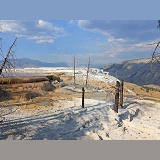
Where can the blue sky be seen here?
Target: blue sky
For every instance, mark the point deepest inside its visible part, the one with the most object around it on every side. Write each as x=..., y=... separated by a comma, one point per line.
x=103, y=41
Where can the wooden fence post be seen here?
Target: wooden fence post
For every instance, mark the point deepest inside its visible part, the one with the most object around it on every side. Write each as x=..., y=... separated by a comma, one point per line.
x=117, y=97
x=74, y=74
x=121, y=92
x=87, y=72
x=83, y=97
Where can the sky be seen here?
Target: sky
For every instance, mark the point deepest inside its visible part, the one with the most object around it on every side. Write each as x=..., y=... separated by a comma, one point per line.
x=104, y=41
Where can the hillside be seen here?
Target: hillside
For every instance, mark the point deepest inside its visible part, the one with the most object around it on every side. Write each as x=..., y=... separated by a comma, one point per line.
x=138, y=71
x=26, y=62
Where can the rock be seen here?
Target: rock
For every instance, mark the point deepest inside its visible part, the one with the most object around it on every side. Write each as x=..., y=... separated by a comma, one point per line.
x=62, y=84
x=53, y=78
x=46, y=86
x=55, y=82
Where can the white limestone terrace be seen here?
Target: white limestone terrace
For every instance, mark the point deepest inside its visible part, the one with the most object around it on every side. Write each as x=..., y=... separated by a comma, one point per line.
x=94, y=74
x=138, y=120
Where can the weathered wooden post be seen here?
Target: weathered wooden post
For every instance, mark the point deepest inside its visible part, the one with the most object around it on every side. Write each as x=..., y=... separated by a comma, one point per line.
x=74, y=71
x=83, y=97
x=87, y=72
x=117, y=97
x=121, y=92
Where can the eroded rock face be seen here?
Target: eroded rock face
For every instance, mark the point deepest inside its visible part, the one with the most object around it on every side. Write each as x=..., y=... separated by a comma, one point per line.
x=138, y=71
x=53, y=78
x=19, y=90
x=47, y=86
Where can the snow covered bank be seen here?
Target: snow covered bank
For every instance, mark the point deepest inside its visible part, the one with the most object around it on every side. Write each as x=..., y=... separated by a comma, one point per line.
x=97, y=121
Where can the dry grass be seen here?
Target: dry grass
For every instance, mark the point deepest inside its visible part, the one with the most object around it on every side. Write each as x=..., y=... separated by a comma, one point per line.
x=101, y=85
x=152, y=87
x=152, y=99
x=18, y=80
x=25, y=88
x=141, y=91
x=36, y=96
x=22, y=91
x=59, y=74
x=45, y=85
x=66, y=78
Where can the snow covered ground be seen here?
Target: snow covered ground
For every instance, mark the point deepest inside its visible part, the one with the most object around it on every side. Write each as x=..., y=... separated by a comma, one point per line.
x=97, y=121
x=137, y=120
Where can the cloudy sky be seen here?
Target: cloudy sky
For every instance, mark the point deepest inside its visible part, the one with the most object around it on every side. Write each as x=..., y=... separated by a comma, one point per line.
x=104, y=42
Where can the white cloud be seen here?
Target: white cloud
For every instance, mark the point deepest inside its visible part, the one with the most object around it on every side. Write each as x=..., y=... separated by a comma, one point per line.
x=148, y=44
x=43, y=24
x=40, y=31
x=137, y=49
x=139, y=45
x=49, y=26
x=72, y=21
x=83, y=23
x=131, y=29
x=123, y=34
x=112, y=40
x=92, y=27
x=11, y=26
x=42, y=39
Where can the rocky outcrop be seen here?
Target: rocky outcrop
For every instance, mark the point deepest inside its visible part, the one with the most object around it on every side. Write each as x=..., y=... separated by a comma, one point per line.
x=138, y=71
x=24, y=88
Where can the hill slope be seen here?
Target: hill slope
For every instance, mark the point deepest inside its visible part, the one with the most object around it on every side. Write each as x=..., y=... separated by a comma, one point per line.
x=138, y=71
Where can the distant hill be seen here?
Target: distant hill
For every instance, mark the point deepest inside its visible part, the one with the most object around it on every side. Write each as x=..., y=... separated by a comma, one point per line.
x=137, y=71
x=26, y=62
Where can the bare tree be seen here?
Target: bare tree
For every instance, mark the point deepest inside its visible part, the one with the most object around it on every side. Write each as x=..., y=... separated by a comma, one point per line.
x=158, y=24
x=8, y=62
x=155, y=59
